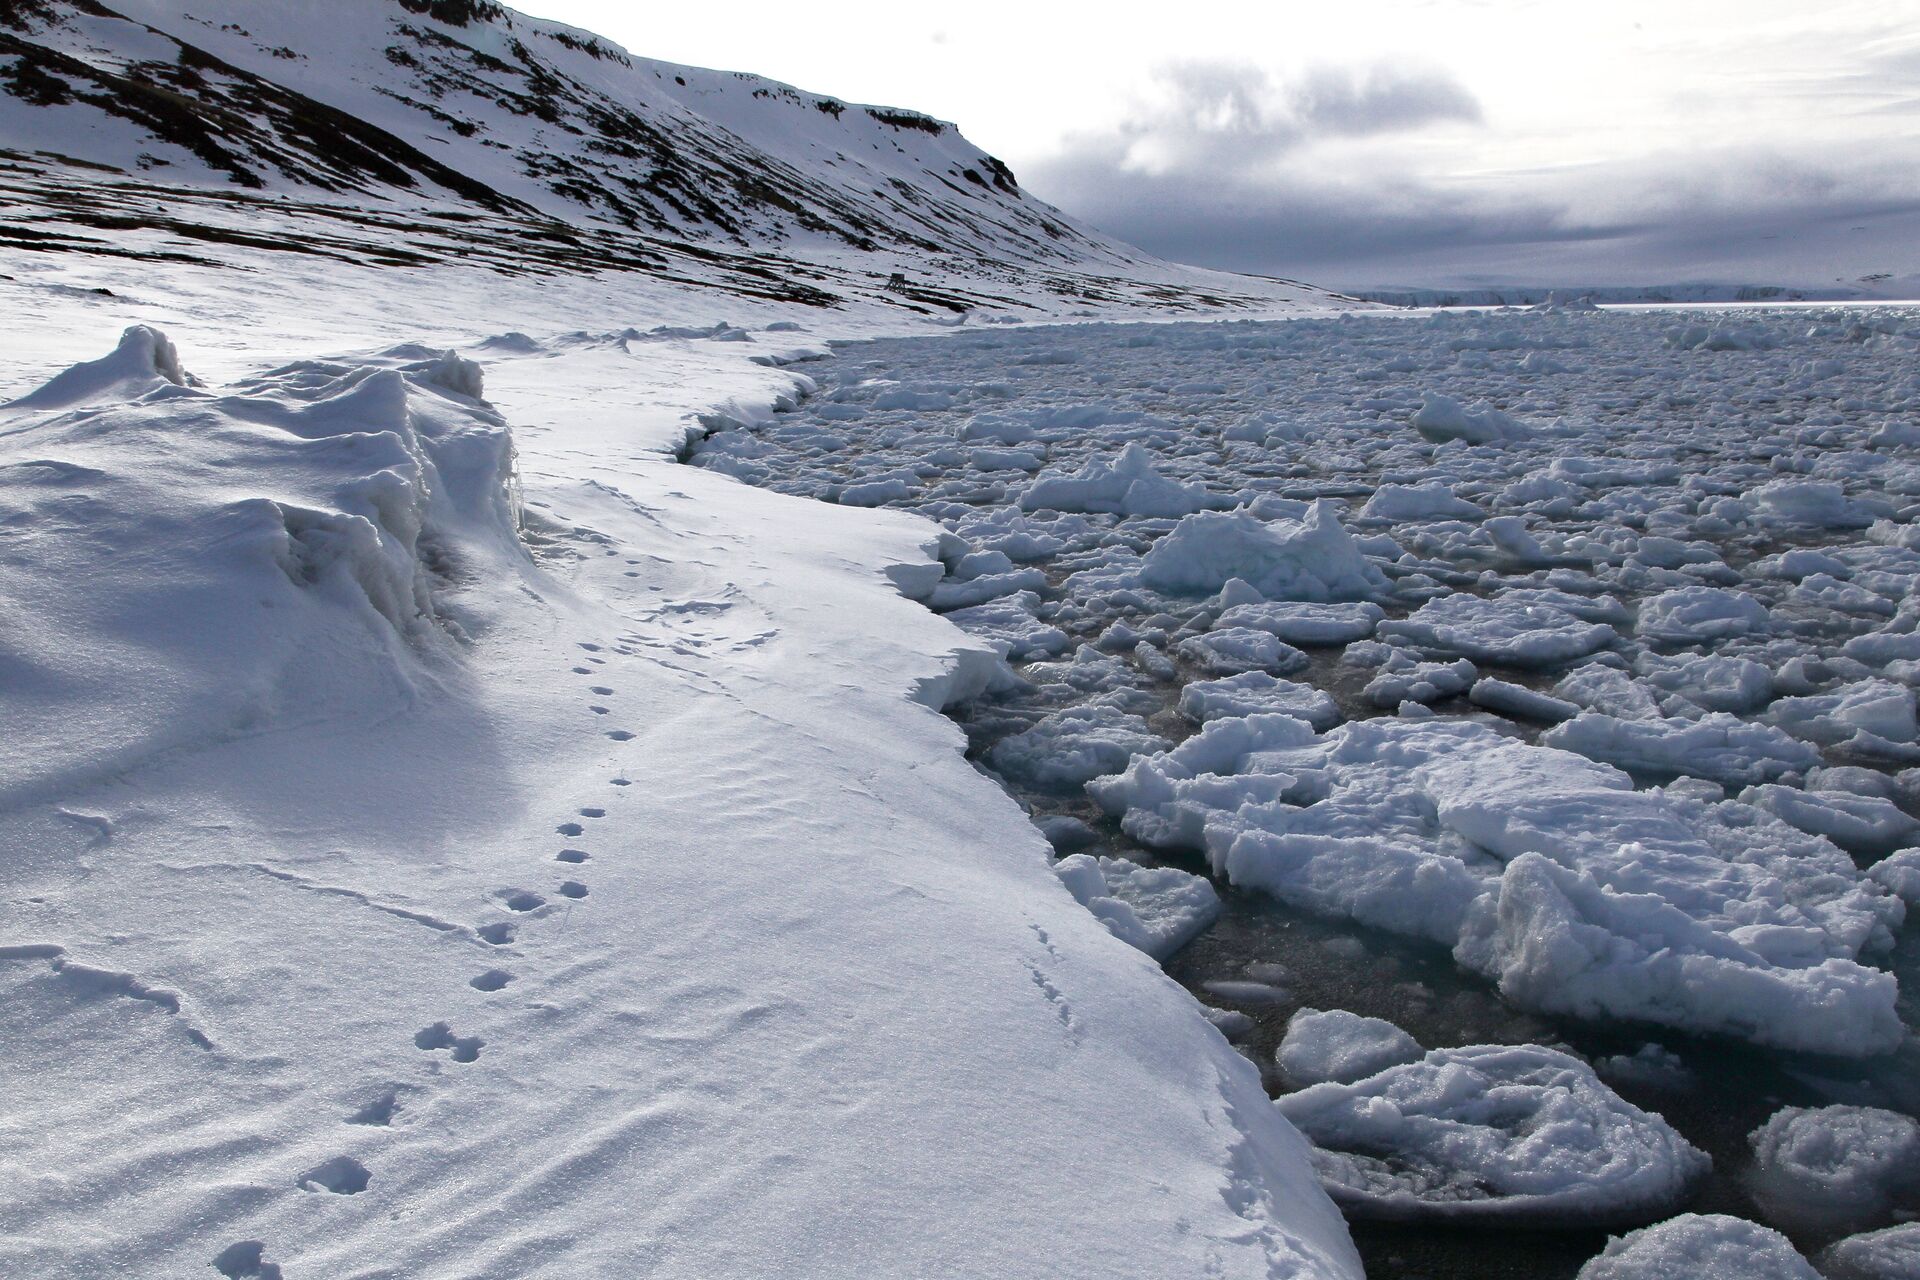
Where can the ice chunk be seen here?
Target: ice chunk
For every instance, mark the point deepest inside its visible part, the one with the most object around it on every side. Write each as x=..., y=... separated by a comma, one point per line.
x=1695, y=615
x=1157, y=909
x=1836, y=1167
x=1514, y=700
x=1073, y=745
x=1717, y=746
x=1402, y=503
x=1254, y=692
x=1900, y=873
x=1543, y=870
x=1809, y=504
x=1862, y=824
x=1712, y=681
x=1312, y=559
x=1877, y=707
x=1010, y=625
x=1339, y=1047
x=1443, y=418
x=1699, y=1246
x=1506, y=632
x=1229, y=650
x=1559, y=941
x=1402, y=680
x=1128, y=485
x=1651, y=1066
x=1492, y=1133
x=1892, y=1253
x=1311, y=625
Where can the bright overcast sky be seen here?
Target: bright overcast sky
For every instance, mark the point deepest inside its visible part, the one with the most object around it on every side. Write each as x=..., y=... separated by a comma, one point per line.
x=1397, y=141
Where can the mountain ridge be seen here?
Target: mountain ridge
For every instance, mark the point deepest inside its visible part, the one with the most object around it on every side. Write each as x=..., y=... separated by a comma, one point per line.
x=464, y=107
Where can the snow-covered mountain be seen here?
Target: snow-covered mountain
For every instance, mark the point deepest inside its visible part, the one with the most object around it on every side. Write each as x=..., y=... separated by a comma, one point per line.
x=533, y=139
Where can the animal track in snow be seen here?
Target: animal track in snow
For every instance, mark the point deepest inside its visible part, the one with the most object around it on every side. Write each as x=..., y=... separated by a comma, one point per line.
x=602, y=690
x=491, y=980
x=599, y=710
x=342, y=1175
x=593, y=813
x=1054, y=995
x=246, y=1260
x=621, y=782
x=378, y=1112
x=571, y=855
x=582, y=671
x=440, y=1036
x=520, y=899
x=498, y=934
x=620, y=735
x=573, y=889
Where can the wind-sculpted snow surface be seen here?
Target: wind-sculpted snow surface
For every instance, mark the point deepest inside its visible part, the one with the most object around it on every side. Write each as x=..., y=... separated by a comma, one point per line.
x=442, y=847
x=316, y=518
x=1621, y=565
x=1492, y=1133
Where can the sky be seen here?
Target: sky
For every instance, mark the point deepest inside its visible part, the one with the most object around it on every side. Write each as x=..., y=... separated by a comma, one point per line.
x=1396, y=142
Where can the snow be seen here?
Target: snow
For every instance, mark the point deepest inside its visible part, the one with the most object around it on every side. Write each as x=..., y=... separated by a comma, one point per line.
x=1544, y=871
x=1340, y=1047
x=1074, y=746
x=1513, y=634
x=1444, y=418
x=1313, y=558
x=1891, y=1253
x=1255, y=693
x=1299, y=623
x=1837, y=1166
x=1128, y=485
x=410, y=706
x=1692, y=615
x=437, y=805
x=1700, y=1244
x=1492, y=1133
x=1157, y=909
x=1718, y=747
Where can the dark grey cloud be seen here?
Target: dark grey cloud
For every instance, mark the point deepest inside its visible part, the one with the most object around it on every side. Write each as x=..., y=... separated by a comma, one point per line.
x=1197, y=116
x=1315, y=178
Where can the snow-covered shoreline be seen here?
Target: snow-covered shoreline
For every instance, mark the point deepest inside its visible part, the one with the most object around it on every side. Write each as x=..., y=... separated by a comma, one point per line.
x=809, y=1002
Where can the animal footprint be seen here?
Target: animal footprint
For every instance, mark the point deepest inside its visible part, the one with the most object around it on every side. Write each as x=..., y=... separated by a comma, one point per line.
x=520, y=900
x=573, y=889
x=491, y=980
x=342, y=1175
x=440, y=1036
x=570, y=855
x=621, y=782
x=569, y=828
x=498, y=934
x=379, y=1112
x=620, y=735
x=246, y=1260
x=593, y=813
x=601, y=689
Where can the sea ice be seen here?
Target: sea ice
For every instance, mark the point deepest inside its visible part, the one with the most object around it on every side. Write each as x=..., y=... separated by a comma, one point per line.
x=1695, y=1246
x=1492, y=1133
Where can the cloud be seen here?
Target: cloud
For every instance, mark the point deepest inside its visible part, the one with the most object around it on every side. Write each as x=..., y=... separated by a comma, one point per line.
x=1201, y=117
x=1339, y=175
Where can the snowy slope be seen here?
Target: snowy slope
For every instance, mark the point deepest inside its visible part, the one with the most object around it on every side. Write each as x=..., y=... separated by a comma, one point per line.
x=415, y=887
x=523, y=130
x=441, y=834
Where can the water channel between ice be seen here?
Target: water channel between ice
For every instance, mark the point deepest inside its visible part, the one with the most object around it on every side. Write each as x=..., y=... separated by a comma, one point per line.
x=1564, y=469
